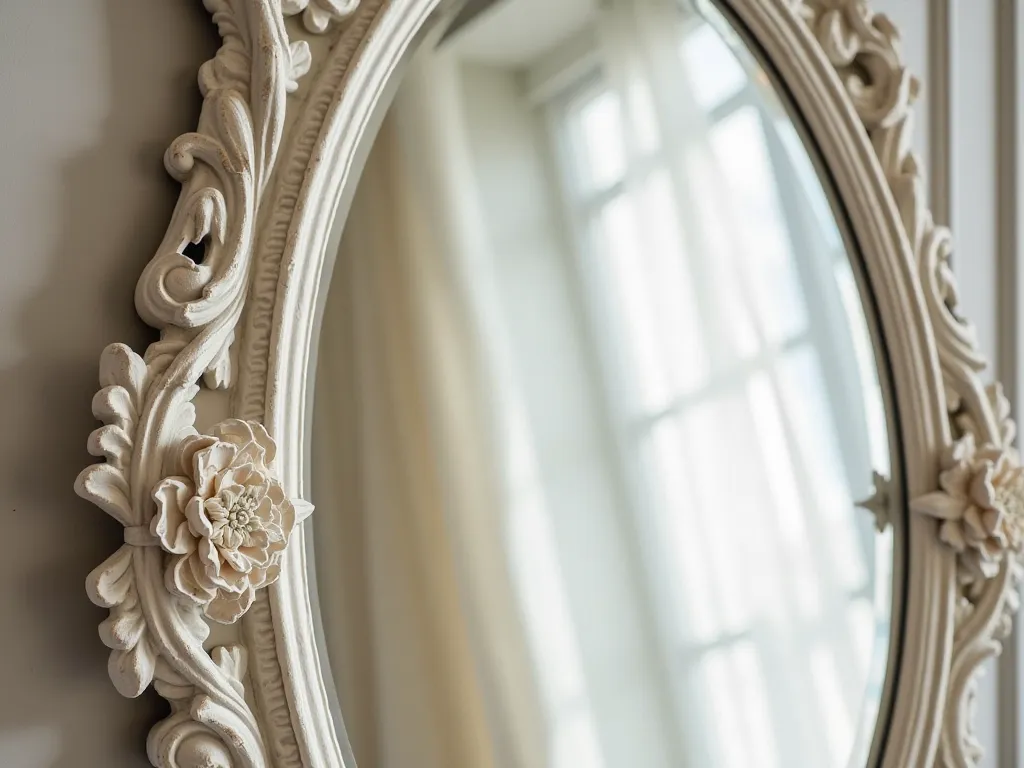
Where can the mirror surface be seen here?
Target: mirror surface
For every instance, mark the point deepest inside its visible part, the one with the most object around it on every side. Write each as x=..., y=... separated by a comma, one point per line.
x=595, y=397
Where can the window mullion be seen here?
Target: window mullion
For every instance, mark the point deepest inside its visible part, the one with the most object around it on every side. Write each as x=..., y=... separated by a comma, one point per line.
x=728, y=379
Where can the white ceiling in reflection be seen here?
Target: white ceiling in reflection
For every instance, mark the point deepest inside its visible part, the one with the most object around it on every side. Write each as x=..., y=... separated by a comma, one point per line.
x=514, y=34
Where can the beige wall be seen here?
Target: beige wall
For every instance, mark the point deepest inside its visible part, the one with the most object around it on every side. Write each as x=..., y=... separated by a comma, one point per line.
x=92, y=91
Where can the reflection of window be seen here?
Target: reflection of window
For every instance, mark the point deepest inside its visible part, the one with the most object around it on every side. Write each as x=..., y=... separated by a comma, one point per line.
x=711, y=265
x=535, y=562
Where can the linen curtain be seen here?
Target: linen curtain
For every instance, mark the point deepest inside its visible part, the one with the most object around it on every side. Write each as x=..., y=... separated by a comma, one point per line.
x=424, y=638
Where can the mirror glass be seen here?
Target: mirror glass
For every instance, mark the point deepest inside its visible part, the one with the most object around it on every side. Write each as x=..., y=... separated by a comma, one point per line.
x=595, y=401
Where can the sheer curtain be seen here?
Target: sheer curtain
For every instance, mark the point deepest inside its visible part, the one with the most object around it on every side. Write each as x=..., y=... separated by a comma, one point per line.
x=482, y=608
x=748, y=412
x=423, y=629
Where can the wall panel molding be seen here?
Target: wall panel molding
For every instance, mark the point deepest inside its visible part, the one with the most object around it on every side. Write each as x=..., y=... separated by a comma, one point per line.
x=940, y=108
x=1009, y=294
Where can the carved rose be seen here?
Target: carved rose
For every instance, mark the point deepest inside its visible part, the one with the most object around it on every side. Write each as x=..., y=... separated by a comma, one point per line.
x=224, y=518
x=981, y=506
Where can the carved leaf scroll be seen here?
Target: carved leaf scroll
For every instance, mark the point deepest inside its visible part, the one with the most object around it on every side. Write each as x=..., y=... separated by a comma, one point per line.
x=193, y=291
x=982, y=524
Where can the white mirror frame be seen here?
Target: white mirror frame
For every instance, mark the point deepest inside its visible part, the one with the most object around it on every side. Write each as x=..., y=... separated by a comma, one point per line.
x=291, y=102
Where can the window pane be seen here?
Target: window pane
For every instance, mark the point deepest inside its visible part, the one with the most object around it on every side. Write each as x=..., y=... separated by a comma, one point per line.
x=713, y=72
x=682, y=334
x=680, y=528
x=601, y=149
x=803, y=167
x=626, y=277
x=815, y=434
x=735, y=331
x=785, y=497
x=767, y=262
x=733, y=678
x=865, y=353
x=833, y=707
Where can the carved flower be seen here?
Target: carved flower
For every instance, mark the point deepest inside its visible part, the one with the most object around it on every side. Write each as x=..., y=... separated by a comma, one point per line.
x=225, y=519
x=981, y=506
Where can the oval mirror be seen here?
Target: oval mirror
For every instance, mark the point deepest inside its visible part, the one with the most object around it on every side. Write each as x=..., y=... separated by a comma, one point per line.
x=595, y=401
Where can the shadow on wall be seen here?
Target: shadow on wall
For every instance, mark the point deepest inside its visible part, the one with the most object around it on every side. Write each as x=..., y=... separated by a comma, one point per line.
x=76, y=228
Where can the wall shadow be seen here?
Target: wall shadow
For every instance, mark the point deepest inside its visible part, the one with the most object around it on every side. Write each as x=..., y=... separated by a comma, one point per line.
x=114, y=203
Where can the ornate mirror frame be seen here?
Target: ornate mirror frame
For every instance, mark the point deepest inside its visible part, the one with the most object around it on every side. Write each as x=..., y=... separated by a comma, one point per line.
x=291, y=101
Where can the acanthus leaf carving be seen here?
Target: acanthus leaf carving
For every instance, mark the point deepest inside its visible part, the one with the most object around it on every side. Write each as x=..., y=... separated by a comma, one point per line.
x=223, y=167
x=193, y=291
x=226, y=505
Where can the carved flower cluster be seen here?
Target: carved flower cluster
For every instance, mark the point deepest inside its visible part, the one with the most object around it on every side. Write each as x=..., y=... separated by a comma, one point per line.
x=980, y=504
x=224, y=518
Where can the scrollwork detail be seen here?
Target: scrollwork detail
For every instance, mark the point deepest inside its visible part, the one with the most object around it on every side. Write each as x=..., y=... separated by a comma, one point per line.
x=223, y=166
x=197, y=734
x=979, y=504
x=212, y=531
